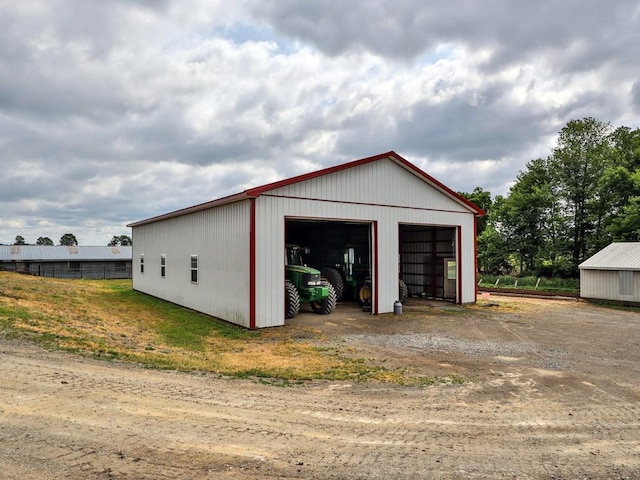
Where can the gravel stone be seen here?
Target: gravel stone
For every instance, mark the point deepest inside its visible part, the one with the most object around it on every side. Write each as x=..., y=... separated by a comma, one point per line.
x=443, y=343
x=451, y=344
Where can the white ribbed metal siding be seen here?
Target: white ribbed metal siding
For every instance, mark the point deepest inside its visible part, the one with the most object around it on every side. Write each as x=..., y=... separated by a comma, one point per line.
x=382, y=192
x=269, y=280
x=270, y=228
x=605, y=285
x=380, y=183
x=220, y=238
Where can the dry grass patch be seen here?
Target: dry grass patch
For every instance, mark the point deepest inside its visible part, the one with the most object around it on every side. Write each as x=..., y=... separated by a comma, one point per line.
x=107, y=319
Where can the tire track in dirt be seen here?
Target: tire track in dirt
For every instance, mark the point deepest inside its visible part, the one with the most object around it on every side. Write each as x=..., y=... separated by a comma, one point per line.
x=63, y=416
x=398, y=442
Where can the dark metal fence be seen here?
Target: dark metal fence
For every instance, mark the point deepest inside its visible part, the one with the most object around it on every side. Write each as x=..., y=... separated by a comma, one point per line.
x=91, y=270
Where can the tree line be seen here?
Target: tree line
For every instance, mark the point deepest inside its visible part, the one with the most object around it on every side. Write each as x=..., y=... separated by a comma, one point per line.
x=560, y=210
x=70, y=239
x=564, y=208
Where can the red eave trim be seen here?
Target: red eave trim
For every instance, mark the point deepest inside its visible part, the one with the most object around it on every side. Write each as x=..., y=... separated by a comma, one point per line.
x=459, y=264
x=257, y=191
x=196, y=208
x=252, y=266
x=391, y=155
x=439, y=185
x=318, y=173
x=475, y=256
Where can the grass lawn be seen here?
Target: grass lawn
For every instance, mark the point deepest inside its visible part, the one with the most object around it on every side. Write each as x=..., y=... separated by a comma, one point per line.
x=552, y=285
x=107, y=319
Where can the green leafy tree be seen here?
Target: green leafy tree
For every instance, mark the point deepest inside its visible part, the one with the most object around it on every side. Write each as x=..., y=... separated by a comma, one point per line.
x=44, y=241
x=626, y=225
x=19, y=240
x=577, y=164
x=526, y=216
x=617, y=187
x=626, y=148
x=68, y=239
x=482, y=199
x=122, y=241
x=492, y=252
x=566, y=207
x=621, y=182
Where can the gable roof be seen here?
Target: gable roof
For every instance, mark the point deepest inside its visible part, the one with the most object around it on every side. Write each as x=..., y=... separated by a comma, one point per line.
x=616, y=256
x=257, y=191
x=50, y=253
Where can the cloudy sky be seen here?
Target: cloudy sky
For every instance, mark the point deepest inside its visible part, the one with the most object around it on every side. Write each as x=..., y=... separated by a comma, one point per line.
x=115, y=111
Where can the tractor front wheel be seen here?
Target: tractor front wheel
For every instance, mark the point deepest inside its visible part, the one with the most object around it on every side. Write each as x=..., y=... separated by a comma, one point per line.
x=332, y=275
x=326, y=305
x=291, y=300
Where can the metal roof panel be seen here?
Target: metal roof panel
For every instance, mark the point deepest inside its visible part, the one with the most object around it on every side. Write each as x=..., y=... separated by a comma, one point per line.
x=50, y=253
x=616, y=256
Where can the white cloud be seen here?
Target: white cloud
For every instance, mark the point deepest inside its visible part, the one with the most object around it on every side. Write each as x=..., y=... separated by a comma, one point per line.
x=116, y=111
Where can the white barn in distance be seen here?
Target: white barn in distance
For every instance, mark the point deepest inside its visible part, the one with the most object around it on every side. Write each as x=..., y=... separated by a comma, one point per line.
x=612, y=274
x=226, y=258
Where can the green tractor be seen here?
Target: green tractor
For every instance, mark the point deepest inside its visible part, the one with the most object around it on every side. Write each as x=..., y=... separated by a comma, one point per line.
x=352, y=277
x=304, y=285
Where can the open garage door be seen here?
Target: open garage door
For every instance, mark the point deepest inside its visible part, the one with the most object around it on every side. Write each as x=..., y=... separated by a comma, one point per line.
x=338, y=248
x=428, y=261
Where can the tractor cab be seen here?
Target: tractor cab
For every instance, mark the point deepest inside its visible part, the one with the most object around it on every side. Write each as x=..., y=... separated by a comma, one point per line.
x=293, y=255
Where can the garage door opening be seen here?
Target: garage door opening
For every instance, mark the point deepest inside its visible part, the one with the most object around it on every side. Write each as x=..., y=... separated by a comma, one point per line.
x=428, y=261
x=342, y=251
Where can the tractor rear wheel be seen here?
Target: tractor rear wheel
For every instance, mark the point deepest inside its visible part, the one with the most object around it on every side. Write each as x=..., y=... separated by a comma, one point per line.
x=332, y=275
x=291, y=300
x=326, y=305
x=403, y=292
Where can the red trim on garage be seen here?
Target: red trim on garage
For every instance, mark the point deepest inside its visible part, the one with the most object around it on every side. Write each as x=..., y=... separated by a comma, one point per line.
x=254, y=192
x=196, y=208
x=252, y=265
x=345, y=202
x=257, y=191
x=375, y=307
x=475, y=254
x=459, y=261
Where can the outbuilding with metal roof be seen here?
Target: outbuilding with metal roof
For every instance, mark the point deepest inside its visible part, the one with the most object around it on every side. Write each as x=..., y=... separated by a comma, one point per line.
x=226, y=257
x=71, y=261
x=612, y=274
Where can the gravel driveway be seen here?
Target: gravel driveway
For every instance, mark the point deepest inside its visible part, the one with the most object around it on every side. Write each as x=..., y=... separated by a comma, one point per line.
x=548, y=389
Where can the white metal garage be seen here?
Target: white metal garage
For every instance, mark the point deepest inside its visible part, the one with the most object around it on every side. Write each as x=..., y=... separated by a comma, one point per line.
x=226, y=257
x=612, y=274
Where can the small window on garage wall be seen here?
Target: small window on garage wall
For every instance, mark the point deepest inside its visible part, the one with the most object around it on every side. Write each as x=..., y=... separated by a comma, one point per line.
x=194, y=268
x=163, y=265
x=142, y=263
x=626, y=282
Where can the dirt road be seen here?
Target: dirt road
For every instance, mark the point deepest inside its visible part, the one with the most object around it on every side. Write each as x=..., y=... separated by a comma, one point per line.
x=552, y=391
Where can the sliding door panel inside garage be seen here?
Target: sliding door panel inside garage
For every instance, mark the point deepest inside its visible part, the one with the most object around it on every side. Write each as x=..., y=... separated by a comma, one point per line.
x=428, y=259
